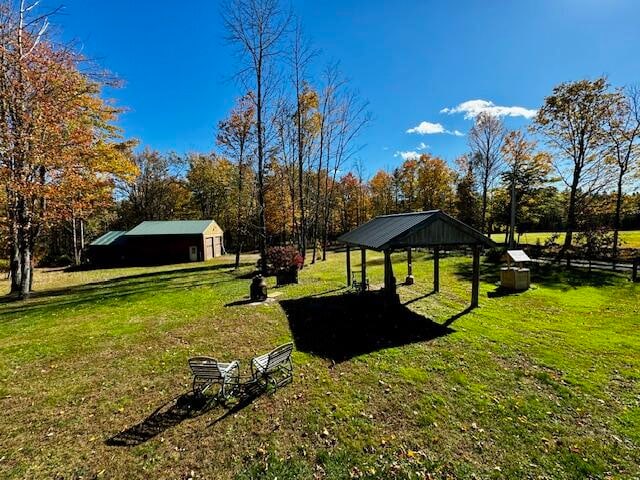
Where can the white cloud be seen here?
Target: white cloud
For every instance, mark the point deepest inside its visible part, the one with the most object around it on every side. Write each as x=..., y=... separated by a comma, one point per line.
x=422, y=146
x=407, y=155
x=472, y=108
x=427, y=128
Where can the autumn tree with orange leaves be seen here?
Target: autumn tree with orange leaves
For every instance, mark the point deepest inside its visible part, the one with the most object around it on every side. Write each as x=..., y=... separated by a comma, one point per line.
x=59, y=149
x=236, y=138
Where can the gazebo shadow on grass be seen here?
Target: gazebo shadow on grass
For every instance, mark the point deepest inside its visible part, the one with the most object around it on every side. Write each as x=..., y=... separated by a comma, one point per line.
x=340, y=327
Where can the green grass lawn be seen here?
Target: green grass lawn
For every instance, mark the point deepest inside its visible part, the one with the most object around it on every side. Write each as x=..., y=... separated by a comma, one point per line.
x=542, y=384
x=630, y=239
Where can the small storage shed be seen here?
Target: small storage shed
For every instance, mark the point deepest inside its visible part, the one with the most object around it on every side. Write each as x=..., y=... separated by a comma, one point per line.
x=174, y=241
x=402, y=232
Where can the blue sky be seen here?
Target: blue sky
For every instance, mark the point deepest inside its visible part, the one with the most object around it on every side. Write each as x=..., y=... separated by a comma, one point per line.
x=410, y=59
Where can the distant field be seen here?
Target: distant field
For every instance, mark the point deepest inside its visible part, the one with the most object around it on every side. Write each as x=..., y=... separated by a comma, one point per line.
x=630, y=239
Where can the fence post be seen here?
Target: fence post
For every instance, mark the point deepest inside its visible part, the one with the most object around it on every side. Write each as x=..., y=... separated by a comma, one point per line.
x=634, y=273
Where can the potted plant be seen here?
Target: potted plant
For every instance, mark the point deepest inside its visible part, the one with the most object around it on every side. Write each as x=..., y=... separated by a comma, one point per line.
x=285, y=262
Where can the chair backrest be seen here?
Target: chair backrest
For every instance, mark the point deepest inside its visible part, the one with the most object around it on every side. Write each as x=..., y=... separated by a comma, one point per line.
x=205, y=367
x=278, y=356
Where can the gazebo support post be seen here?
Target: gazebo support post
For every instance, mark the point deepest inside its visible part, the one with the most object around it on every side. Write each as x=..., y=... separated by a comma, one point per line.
x=436, y=269
x=363, y=272
x=475, y=286
x=409, y=280
x=389, y=279
x=348, y=266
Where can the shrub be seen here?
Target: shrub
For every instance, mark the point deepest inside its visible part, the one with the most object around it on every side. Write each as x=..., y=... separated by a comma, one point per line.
x=494, y=255
x=535, y=251
x=551, y=241
x=53, y=261
x=284, y=258
x=594, y=243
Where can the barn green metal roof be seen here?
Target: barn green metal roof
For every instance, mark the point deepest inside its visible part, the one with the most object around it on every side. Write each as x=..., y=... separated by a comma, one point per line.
x=107, y=239
x=408, y=229
x=173, y=227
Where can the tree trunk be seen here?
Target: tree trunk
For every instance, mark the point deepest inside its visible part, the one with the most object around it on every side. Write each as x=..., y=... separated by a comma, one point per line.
x=485, y=187
x=15, y=267
x=76, y=257
x=325, y=239
x=303, y=220
x=262, y=219
x=316, y=216
x=512, y=224
x=239, y=216
x=616, y=218
x=571, y=213
x=26, y=262
x=81, y=239
x=238, y=252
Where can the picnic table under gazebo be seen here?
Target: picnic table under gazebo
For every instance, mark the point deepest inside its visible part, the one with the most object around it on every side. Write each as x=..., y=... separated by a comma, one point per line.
x=404, y=231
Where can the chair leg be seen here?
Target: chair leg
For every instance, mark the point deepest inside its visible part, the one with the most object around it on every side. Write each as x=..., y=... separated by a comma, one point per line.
x=287, y=370
x=199, y=387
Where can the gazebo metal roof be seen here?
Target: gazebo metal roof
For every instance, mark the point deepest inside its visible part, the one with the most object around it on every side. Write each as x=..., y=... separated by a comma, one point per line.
x=419, y=229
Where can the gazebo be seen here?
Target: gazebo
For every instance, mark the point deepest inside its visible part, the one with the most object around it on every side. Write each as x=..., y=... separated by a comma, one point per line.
x=432, y=229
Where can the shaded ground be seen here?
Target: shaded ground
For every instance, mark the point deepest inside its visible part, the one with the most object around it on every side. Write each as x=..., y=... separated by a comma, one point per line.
x=339, y=327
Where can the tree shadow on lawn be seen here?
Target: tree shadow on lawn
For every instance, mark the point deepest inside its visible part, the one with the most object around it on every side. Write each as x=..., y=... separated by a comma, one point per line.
x=184, y=407
x=552, y=276
x=120, y=287
x=340, y=327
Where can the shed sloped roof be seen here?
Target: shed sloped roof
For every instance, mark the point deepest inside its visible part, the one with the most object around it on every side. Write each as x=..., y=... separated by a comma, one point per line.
x=107, y=239
x=174, y=227
x=420, y=229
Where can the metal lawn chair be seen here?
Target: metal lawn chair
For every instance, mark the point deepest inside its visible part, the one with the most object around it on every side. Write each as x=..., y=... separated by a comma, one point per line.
x=208, y=371
x=274, y=367
x=356, y=282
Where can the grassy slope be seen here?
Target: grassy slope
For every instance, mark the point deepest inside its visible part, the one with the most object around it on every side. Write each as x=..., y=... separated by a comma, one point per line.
x=630, y=239
x=540, y=383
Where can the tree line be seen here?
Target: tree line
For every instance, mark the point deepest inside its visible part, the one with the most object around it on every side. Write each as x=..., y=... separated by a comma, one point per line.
x=555, y=176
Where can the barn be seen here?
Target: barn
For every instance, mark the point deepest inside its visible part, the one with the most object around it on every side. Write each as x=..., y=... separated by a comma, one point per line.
x=160, y=242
